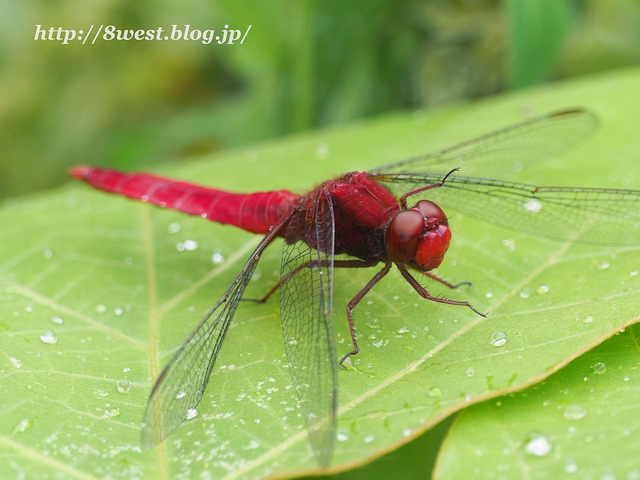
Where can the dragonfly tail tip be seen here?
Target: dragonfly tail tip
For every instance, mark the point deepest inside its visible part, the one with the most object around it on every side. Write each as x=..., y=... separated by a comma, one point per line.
x=79, y=172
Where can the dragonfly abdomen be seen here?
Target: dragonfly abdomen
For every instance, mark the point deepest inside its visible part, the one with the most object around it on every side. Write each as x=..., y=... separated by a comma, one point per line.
x=254, y=212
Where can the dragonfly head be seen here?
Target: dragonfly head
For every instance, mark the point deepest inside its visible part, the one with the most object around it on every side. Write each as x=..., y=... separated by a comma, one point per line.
x=419, y=236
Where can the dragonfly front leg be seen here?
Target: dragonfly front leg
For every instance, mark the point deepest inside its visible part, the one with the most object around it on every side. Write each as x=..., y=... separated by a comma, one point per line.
x=354, y=301
x=425, y=294
x=403, y=198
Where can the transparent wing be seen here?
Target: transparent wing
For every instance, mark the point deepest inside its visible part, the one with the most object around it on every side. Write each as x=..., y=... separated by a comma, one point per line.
x=180, y=386
x=306, y=301
x=585, y=215
x=508, y=151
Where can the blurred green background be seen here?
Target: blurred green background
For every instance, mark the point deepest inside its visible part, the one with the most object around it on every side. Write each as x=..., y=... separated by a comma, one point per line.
x=303, y=65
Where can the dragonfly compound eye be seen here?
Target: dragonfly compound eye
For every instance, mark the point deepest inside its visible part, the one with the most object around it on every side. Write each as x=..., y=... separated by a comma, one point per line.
x=403, y=235
x=433, y=213
x=434, y=238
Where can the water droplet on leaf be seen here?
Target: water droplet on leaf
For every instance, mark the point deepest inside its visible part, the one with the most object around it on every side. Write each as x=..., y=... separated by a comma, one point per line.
x=217, y=258
x=575, y=412
x=542, y=289
x=499, y=338
x=23, y=426
x=49, y=337
x=124, y=386
x=538, y=445
x=192, y=413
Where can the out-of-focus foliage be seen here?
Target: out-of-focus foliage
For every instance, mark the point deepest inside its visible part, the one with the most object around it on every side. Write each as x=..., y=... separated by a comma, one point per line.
x=304, y=64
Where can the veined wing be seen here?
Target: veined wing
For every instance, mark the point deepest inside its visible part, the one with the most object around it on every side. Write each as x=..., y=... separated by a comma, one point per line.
x=182, y=383
x=585, y=215
x=507, y=151
x=306, y=299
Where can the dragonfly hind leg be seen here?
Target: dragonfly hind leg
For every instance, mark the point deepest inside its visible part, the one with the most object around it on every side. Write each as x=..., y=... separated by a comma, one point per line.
x=354, y=301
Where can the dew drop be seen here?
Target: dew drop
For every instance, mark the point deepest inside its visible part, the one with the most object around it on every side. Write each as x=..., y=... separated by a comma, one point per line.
x=49, y=337
x=599, y=368
x=525, y=293
x=118, y=311
x=47, y=254
x=626, y=378
x=542, y=289
x=587, y=319
x=499, y=338
x=403, y=330
x=604, y=265
x=470, y=372
x=23, y=426
x=190, y=245
x=435, y=392
x=369, y=438
x=538, y=445
x=293, y=341
x=174, y=227
x=112, y=413
x=510, y=244
x=126, y=369
x=575, y=412
x=192, y=413
x=217, y=258
x=342, y=435
x=181, y=395
x=57, y=320
x=16, y=363
x=489, y=295
x=28, y=308
x=101, y=309
x=128, y=261
x=634, y=273
x=124, y=386
x=571, y=467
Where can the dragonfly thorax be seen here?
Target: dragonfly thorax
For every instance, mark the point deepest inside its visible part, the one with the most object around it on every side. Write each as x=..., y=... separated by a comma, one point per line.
x=419, y=236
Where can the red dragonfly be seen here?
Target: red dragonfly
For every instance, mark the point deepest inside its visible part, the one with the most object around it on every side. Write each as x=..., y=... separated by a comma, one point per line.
x=367, y=218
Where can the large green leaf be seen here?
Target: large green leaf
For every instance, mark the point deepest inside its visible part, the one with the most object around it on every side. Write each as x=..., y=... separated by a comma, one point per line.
x=116, y=286
x=582, y=420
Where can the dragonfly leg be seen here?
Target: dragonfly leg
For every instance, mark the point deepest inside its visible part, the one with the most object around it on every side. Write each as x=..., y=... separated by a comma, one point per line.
x=311, y=264
x=425, y=294
x=403, y=198
x=444, y=282
x=354, y=301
